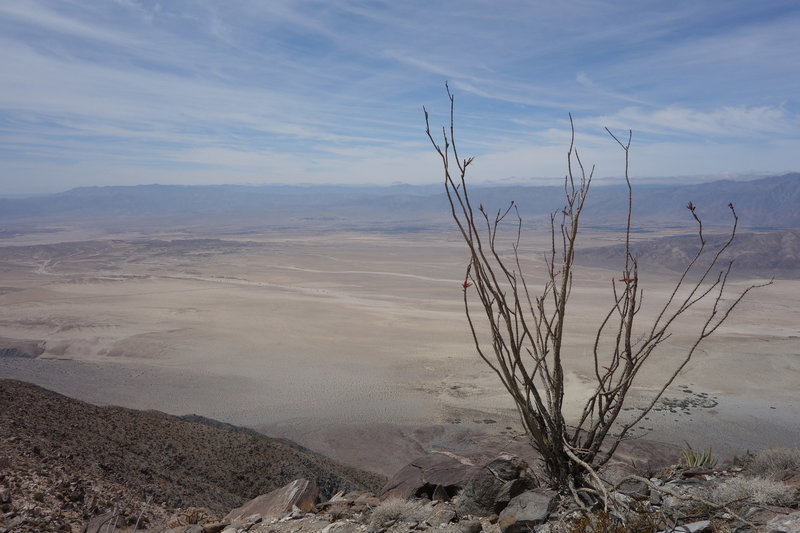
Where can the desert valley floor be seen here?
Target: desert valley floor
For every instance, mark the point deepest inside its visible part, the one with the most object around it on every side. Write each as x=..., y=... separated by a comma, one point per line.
x=352, y=343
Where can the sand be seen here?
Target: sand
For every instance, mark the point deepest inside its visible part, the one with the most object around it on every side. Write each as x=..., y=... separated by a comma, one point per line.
x=355, y=343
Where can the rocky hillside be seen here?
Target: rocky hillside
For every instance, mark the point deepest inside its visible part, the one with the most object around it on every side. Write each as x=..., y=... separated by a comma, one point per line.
x=65, y=453
x=757, y=255
x=69, y=466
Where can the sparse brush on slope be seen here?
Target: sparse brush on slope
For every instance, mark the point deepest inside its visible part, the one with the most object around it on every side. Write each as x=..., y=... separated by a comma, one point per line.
x=178, y=462
x=758, y=490
x=770, y=461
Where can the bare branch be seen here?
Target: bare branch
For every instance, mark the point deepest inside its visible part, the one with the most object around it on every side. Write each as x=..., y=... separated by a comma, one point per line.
x=520, y=333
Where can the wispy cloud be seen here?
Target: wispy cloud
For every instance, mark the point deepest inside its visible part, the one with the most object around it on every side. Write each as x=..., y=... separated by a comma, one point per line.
x=315, y=91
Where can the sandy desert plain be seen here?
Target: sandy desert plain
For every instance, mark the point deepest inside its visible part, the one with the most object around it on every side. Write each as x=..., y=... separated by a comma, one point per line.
x=352, y=342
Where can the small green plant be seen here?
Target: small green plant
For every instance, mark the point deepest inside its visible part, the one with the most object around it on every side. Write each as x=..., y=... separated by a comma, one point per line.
x=693, y=459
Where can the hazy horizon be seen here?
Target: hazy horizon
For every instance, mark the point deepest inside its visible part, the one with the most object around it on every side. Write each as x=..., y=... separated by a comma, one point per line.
x=510, y=182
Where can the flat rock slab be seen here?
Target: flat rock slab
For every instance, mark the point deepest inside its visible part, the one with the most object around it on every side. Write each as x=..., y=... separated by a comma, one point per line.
x=527, y=510
x=616, y=474
x=445, y=469
x=784, y=524
x=493, y=486
x=300, y=493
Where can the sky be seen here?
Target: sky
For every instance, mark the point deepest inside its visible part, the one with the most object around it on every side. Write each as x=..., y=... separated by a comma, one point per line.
x=125, y=92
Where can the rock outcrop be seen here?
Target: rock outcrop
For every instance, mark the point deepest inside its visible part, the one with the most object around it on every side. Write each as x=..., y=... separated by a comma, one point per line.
x=423, y=475
x=300, y=494
x=527, y=510
x=492, y=487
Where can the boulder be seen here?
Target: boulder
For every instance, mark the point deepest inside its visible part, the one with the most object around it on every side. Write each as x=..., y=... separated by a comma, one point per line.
x=491, y=488
x=529, y=509
x=693, y=527
x=441, y=517
x=300, y=493
x=424, y=474
x=471, y=526
x=784, y=524
x=615, y=473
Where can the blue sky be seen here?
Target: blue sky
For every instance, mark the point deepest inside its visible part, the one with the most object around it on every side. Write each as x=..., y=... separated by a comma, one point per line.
x=176, y=92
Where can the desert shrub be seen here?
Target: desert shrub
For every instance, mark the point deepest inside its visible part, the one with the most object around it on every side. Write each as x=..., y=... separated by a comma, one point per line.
x=339, y=511
x=758, y=490
x=767, y=462
x=394, y=510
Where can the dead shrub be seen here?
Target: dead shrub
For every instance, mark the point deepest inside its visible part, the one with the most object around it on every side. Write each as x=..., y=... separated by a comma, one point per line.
x=757, y=490
x=767, y=463
x=391, y=511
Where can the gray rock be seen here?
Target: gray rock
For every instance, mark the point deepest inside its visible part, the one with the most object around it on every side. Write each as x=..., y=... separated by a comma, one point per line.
x=510, y=489
x=615, y=473
x=423, y=474
x=784, y=524
x=411, y=523
x=440, y=494
x=527, y=510
x=441, y=517
x=300, y=493
x=694, y=527
x=340, y=527
x=214, y=527
x=656, y=498
x=491, y=488
x=471, y=526
x=5, y=495
x=254, y=518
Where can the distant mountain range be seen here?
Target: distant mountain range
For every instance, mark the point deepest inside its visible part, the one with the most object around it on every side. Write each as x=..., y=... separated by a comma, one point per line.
x=765, y=203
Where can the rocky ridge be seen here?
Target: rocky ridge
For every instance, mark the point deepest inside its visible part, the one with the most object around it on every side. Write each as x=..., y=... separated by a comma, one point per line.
x=504, y=495
x=73, y=467
x=63, y=461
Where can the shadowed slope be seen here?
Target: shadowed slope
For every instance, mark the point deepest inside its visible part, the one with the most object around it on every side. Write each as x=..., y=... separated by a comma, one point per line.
x=177, y=461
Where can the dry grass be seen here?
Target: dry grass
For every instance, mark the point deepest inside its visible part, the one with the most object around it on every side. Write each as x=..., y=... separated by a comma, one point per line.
x=768, y=462
x=757, y=490
x=391, y=511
